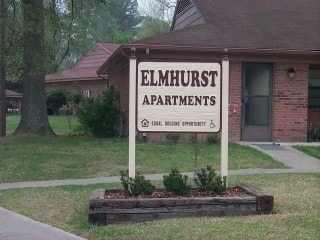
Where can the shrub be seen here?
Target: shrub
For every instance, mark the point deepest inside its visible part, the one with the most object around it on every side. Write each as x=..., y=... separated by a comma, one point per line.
x=207, y=180
x=136, y=186
x=176, y=183
x=213, y=139
x=100, y=116
x=313, y=132
x=75, y=99
x=56, y=99
x=173, y=138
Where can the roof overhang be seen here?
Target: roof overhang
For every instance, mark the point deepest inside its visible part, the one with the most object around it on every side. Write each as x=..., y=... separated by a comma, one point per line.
x=124, y=51
x=12, y=94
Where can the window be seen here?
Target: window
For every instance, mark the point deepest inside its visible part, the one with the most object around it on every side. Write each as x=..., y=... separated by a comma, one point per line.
x=314, y=87
x=87, y=93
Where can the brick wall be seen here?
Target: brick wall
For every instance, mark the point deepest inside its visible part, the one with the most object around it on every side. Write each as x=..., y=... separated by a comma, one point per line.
x=290, y=102
x=73, y=87
x=235, y=101
x=290, y=105
x=119, y=80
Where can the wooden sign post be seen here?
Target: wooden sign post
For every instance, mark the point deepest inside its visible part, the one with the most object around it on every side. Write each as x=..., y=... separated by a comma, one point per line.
x=132, y=113
x=178, y=97
x=225, y=116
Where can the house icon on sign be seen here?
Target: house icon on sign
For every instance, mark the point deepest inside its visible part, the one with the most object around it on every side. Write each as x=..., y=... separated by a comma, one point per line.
x=145, y=123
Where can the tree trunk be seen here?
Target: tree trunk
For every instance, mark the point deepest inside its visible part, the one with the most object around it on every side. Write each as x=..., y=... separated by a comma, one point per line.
x=2, y=70
x=34, y=118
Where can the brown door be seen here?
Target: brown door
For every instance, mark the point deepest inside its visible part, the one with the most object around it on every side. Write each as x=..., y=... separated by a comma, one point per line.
x=256, y=99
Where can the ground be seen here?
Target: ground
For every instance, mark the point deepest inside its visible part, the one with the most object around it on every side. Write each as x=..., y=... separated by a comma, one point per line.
x=162, y=193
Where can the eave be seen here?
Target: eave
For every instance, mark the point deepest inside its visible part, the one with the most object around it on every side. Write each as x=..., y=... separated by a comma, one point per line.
x=144, y=49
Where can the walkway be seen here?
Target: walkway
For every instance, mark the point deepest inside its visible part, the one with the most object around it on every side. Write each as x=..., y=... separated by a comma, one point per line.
x=16, y=227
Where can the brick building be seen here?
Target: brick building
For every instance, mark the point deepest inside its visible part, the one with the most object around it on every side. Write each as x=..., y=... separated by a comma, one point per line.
x=83, y=77
x=274, y=52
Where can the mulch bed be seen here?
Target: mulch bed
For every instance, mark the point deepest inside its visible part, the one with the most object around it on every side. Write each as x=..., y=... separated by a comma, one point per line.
x=162, y=193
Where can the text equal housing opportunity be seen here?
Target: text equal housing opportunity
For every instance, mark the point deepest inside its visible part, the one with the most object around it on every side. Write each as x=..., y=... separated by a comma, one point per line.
x=178, y=78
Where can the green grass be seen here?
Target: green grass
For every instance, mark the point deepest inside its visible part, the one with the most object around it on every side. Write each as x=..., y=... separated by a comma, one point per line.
x=63, y=157
x=296, y=213
x=60, y=124
x=313, y=151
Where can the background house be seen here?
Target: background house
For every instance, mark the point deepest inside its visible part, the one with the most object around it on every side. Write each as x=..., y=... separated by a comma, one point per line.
x=13, y=102
x=82, y=77
x=265, y=40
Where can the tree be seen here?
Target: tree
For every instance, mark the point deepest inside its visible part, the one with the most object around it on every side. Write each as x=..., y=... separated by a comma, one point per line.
x=34, y=119
x=13, y=45
x=152, y=26
x=43, y=48
x=84, y=24
x=127, y=15
x=2, y=71
x=157, y=15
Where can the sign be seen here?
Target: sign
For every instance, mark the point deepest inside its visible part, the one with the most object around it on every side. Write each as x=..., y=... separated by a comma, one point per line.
x=179, y=97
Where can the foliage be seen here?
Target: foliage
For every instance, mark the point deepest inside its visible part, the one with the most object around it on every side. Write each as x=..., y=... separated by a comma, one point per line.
x=152, y=26
x=123, y=36
x=74, y=99
x=95, y=21
x=213, y=139
x=173, y=138
x=71, y=29
x=127, y=15
x=56, y=99
x=100, y=115
x=207, y=180
x=157, y=16
x=136, y=186
x=175, y=183
x=313, y=132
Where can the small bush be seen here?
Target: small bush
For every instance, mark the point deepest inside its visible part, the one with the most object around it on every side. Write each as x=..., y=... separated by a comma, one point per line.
x=176, y=183
x=207, y=180
x=137, y=186
x=100, y=116
x=213, y=139
x=173, y=138
x=75, y=99
x=56, y=99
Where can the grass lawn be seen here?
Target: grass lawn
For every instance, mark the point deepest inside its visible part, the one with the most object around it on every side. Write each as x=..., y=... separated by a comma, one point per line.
x=60, y=124
x=296, y=213
x=313, y=151
x=63, y=157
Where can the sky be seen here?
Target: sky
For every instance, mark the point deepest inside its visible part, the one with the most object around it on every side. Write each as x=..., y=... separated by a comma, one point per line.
x=142, y=3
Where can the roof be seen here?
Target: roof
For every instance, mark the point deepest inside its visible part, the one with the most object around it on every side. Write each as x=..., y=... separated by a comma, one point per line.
x=12, y=94
x=249, y=24
x=87, y=66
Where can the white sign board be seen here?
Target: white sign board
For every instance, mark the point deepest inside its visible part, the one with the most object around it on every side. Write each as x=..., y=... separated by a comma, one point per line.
x=179, y=97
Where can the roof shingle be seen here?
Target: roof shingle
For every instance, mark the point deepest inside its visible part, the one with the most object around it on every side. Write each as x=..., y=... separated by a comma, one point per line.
x=87, y=66
x=250, y=24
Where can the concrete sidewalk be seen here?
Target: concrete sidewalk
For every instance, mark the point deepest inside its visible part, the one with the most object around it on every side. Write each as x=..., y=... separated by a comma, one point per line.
x=296, y=160
x=17, y=227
